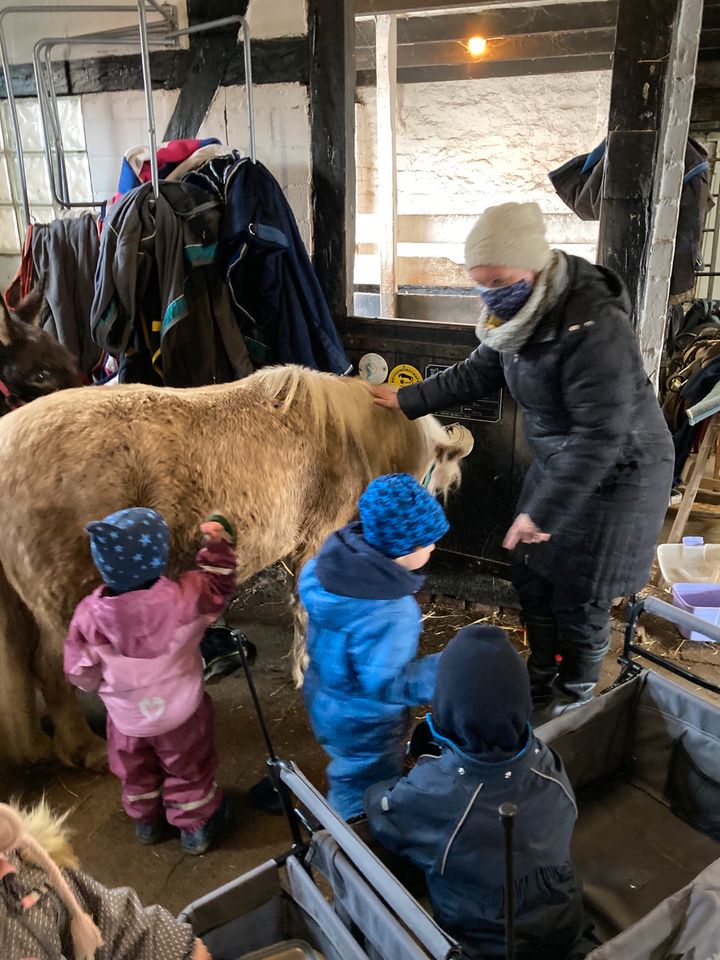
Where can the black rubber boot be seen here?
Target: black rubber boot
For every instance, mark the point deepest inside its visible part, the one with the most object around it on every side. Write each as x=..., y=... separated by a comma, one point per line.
x=574, y=685
x=542, y=638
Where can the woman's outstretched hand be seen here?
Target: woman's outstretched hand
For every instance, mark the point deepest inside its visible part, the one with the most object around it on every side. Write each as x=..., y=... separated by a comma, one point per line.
x=523, y=530
x=385, y=396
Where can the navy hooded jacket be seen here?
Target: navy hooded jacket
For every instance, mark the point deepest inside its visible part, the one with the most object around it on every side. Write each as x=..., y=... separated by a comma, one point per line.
x=443, y=816
x=364, y=627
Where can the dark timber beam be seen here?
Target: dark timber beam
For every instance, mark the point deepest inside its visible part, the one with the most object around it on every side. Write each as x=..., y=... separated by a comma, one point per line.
x=364, y=7
x=590, y=15
x=282, y=60
x=640, y=68
x=497, y=68
x=572, y=43
x=331, y=35
x=211, y=55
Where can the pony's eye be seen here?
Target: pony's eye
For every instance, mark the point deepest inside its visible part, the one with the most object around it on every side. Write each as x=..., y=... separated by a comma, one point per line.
x=40, y=376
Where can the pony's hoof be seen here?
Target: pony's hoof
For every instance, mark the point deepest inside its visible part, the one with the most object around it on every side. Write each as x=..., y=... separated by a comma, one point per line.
x=90, y=753
x=42, y=750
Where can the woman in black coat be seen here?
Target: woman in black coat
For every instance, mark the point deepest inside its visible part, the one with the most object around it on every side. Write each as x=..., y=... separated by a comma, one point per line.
x=555, y=330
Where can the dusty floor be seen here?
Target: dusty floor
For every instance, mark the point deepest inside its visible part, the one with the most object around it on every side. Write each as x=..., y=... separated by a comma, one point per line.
x=103, y=835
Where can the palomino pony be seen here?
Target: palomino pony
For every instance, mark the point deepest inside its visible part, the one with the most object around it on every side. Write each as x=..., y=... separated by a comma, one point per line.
x=284, y=454
x=32, y=362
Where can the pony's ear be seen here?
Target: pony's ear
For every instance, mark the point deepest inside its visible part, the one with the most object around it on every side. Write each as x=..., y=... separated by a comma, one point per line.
x=29, y=310
x=10, y=330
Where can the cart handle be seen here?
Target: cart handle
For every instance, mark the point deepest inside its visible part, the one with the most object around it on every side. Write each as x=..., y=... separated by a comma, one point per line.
x=672, y=615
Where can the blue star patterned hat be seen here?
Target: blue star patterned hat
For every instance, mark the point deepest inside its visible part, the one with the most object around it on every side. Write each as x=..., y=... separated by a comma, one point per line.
x=130, y=547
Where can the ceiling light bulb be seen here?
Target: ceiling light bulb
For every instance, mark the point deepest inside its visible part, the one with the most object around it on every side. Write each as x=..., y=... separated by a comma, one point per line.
x=477, y=46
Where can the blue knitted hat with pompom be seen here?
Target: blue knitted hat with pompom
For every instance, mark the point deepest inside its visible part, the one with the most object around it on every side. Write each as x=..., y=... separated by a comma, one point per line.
x=398, y=515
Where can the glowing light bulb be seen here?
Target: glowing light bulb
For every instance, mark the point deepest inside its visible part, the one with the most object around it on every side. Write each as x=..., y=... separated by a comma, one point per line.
x=477, y=46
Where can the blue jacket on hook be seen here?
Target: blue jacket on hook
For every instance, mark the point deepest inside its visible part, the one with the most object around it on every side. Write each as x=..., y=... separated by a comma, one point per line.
x=364, y=627
x=282, y=310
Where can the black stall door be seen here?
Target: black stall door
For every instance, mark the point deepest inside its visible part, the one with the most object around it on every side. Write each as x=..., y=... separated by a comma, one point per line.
x=481, y=512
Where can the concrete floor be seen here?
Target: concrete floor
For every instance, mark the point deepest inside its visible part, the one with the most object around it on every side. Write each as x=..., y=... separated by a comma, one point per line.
x=103, y=836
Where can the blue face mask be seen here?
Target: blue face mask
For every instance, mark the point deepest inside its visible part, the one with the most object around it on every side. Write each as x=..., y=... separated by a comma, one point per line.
x=505, y=302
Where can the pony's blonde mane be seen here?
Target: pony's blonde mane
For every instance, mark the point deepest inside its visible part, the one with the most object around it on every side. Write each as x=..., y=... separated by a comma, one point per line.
x=331, y=400
x=342, y=404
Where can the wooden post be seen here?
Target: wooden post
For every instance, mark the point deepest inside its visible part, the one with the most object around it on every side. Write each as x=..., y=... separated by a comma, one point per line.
x=386, y=201
x=331, y=37
x=668, y=186
x=640, y=67
x=706, y=450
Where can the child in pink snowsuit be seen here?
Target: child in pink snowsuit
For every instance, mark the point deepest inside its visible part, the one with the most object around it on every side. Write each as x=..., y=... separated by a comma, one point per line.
x=136, y=640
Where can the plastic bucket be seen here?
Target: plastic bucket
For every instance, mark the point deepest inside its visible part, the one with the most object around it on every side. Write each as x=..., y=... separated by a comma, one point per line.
x=700, y=599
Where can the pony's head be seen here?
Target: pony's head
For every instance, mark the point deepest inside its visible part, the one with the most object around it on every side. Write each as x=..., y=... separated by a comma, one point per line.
x=444, y=457
x=32, y=362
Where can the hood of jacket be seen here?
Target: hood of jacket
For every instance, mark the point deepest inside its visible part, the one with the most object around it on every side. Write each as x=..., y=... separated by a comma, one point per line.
x=482, y=702
x=348, y=571
x=136, y=624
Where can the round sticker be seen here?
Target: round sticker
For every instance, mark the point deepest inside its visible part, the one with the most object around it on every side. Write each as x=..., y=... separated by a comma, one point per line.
x=373, y=368
x=403, y=375
x=461, y=437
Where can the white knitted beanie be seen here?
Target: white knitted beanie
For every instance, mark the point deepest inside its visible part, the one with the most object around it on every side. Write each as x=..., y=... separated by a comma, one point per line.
x=509, y=235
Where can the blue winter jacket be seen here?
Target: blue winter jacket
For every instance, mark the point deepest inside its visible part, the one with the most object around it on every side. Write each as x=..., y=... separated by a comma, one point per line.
x=364, y=627
x=443, y=816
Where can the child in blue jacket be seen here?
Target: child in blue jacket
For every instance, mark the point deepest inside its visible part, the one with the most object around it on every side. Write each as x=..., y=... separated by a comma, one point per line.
x=364, y=627
x=443, y=816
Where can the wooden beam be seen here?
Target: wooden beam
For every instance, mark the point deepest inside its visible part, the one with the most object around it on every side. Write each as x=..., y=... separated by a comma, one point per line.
x=211, y=54
x=386, y=164
x=205, y=74
x=283, y=60
x=668, y=183
x=375, y=7
x=642, y=51
x=496, y=68
x=524, y=47
x=549, y=18
x=331, y=38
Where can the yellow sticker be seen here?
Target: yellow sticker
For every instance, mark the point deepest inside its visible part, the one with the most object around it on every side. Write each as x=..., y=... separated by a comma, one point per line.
x=403, y=375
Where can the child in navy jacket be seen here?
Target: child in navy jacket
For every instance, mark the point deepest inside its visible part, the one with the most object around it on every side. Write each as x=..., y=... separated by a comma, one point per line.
x=364, y=627
x=443, y=816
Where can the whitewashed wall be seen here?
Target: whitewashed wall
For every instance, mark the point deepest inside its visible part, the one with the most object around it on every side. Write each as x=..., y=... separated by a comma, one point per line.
x=465, y=145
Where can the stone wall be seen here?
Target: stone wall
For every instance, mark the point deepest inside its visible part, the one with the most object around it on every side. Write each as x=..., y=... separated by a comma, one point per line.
x=465, y=145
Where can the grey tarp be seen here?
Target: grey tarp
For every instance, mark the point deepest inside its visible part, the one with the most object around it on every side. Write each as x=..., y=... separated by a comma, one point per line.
x=369, y=916
x=641, y=862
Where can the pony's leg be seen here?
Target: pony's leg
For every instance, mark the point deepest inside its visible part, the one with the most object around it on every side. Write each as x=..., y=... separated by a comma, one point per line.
x=21, y=739
x=75, y=743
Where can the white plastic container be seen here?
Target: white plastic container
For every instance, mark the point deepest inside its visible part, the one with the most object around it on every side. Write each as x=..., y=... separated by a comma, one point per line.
x=692, y=561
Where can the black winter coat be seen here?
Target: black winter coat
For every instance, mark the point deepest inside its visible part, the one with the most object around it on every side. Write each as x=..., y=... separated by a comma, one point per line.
x=443, y=817
x=603, y=456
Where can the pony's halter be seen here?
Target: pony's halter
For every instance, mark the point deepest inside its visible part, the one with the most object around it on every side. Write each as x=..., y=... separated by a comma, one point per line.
x=12, y=401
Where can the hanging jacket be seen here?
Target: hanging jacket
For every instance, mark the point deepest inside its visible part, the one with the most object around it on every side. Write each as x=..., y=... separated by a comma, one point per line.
x=141, y=650
x=161, y=304
x=579, y=182
x=443, y=816
x=279, y=301
x=363, y=632
x=602, y=471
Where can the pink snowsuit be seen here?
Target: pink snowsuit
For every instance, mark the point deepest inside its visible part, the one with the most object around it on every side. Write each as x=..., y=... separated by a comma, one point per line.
x=140, y=652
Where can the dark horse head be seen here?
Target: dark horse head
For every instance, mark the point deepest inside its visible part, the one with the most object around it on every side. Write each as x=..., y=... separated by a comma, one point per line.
x=32, y=362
